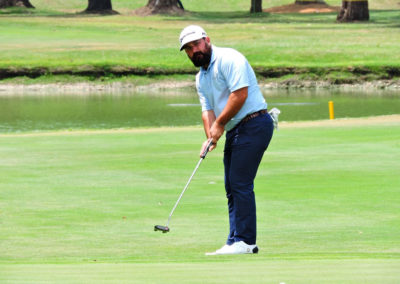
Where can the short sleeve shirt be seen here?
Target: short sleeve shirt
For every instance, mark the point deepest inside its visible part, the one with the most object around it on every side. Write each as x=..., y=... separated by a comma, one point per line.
x=227, y=72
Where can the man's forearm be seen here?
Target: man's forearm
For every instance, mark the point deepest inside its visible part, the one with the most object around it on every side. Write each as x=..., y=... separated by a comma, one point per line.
x=235, y=102
x=208, y=117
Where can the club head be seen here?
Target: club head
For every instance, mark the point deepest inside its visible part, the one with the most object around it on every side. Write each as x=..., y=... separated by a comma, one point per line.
x=163, y=229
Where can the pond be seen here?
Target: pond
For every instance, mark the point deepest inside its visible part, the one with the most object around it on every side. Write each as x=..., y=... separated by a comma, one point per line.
x=33, y=112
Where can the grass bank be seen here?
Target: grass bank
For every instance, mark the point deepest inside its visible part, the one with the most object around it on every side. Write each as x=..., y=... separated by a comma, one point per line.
x=80, y=207
x=305, y=46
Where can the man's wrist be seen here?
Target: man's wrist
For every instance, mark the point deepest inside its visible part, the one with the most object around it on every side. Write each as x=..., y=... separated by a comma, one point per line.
x=220, y=123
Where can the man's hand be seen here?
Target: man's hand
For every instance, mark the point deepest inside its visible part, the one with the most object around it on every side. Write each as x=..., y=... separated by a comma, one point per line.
x=204, y=146
x=216, y=131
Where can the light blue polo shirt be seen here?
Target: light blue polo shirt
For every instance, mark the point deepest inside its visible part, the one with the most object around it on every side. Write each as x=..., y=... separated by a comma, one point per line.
x=228, y=71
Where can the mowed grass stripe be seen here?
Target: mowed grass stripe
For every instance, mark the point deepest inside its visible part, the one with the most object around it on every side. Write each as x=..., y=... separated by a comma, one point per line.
x=237, y=271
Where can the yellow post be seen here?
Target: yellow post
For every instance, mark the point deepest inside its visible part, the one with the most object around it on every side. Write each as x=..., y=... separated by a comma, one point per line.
x=331, y=111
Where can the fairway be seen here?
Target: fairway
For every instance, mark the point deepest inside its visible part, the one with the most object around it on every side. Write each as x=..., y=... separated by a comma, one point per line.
x=79, y=207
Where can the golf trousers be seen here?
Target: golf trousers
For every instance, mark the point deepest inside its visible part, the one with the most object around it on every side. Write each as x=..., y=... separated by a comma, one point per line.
x=244, y=148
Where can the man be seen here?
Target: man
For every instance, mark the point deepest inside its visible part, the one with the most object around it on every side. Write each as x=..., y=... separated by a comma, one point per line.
x=231, y=101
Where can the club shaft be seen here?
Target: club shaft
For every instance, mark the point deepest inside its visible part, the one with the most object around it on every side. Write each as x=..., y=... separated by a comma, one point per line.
x=183, y=191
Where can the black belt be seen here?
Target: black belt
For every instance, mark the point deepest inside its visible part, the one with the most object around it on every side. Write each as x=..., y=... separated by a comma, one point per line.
x=253, y=115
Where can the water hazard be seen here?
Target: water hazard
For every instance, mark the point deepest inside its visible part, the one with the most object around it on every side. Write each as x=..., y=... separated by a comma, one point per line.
x=33, y=112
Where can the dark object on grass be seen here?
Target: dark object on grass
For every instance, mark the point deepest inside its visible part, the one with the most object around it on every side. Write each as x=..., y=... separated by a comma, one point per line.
x=164, y=229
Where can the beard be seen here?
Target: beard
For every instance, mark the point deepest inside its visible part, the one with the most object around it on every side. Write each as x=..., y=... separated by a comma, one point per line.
x=200, y=59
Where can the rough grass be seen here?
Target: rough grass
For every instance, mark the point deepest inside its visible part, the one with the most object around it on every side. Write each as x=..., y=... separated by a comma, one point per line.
x=56, y=42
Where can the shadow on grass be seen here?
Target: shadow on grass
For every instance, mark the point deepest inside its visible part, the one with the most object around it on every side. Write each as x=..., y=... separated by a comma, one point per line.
x=246, y=17
x=389, y=18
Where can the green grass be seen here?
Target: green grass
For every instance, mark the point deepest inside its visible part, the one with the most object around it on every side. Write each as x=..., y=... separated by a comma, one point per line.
x=124, y=6
x=60, y=40
x=285, y=271
x=80, y=208
x=135, y=80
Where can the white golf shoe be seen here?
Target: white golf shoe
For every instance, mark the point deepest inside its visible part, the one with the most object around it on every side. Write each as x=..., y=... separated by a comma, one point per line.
x=219, y=251
x=236, y=248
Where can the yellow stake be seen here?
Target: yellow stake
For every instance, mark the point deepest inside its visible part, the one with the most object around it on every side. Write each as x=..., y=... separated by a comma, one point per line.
x=331, y=111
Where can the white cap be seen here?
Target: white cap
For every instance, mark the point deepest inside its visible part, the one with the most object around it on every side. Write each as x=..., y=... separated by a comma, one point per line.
x=191, y=33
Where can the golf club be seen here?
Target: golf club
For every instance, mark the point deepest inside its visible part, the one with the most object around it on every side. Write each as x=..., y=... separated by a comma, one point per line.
x=165, y=229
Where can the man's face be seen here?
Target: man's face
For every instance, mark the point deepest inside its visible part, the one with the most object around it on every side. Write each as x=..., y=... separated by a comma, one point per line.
x=199, y=51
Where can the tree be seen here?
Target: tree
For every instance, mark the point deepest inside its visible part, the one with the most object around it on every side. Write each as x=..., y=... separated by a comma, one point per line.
x=256, y=6
x=12, y=3
x=353, y=11
x=100, y=7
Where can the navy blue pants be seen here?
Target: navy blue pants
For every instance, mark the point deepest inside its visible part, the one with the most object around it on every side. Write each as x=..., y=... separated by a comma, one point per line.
x=244, y=148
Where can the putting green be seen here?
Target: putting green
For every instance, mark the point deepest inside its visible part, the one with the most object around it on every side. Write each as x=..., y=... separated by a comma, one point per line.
x=80, y=207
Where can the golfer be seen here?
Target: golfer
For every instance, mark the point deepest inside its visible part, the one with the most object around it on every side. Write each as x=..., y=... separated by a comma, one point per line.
x=231, y=101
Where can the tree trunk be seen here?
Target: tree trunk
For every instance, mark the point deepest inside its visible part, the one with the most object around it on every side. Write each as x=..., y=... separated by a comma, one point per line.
x=353, y=11
x=164, y=6
x=305, y=2
x=100, y=7
x=12, y=3
x=172, y=7
x=256, y=6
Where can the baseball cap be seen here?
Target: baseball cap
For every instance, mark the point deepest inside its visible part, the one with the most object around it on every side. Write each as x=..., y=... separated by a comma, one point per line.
x=191, y=33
